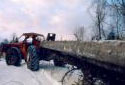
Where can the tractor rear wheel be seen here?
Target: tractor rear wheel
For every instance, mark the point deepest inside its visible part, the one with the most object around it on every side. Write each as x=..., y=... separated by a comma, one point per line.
x=13, y=56
x=32, y=58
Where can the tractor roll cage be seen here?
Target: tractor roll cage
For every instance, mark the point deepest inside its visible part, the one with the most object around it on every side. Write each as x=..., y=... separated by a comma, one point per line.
x=32, y=35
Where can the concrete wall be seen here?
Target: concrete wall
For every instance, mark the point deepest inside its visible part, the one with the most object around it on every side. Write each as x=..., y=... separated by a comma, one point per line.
x=108, y=51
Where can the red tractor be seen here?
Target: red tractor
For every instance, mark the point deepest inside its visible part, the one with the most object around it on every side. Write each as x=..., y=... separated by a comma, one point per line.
x=30, y=50
x=26, y=49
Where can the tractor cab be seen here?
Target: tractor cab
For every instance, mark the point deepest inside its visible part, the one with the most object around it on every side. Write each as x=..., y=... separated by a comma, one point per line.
x=28, y=39
x=31, y=38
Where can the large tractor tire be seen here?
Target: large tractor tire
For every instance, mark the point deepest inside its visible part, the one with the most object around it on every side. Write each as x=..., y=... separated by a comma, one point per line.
x=59, y=63
x=32, y=58
x=13, y=56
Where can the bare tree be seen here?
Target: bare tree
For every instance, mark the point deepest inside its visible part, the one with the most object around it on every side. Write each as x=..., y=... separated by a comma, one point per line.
x=100, y=14
x=119, y=5
x=79, y=33
x=118, y=15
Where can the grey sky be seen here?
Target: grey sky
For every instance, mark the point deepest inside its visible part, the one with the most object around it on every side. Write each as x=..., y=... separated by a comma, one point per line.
x=43, y=16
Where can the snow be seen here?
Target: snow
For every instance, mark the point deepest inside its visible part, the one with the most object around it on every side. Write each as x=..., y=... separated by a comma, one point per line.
x=47, y=75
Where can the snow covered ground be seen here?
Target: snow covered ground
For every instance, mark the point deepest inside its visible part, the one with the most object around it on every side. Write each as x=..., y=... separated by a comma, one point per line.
x=47, y=75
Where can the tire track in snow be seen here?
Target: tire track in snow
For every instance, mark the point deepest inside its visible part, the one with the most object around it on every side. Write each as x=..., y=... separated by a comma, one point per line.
x=35, y=77
x=11, y=75
x=42, y=77
x=53, y=81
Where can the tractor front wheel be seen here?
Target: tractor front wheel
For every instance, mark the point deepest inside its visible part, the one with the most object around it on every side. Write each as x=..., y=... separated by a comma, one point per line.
x=32, y=58
x=13, y=56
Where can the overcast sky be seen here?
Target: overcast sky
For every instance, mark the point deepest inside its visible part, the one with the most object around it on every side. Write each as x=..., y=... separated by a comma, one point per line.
x=42, y=16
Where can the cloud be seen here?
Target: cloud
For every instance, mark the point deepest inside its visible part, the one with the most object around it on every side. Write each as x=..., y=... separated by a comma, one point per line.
x=43, y=16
